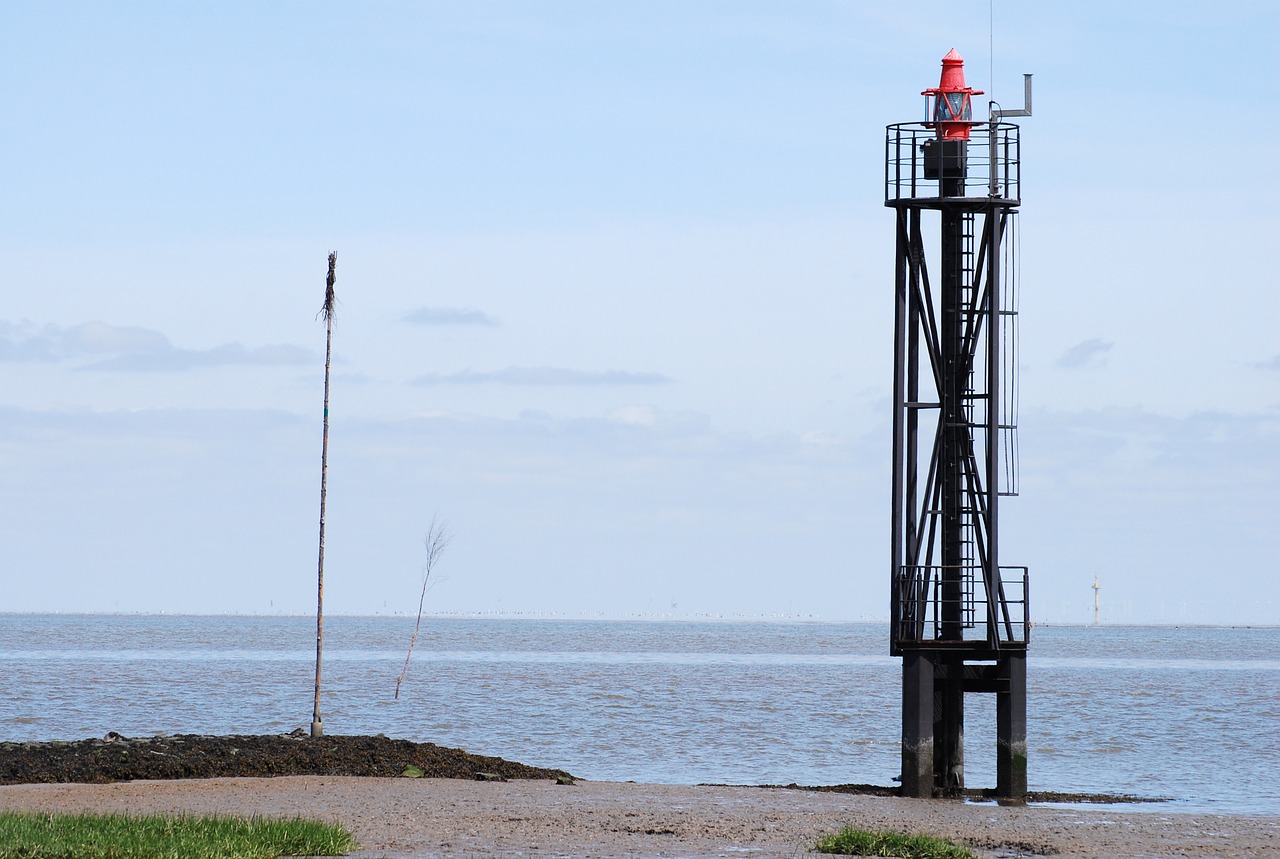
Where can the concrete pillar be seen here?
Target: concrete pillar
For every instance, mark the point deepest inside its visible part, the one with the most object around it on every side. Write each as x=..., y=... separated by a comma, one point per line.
x=1011, y=728
x=917, y=724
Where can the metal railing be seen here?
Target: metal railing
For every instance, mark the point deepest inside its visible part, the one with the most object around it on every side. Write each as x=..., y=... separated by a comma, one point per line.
x=993, y=159
x=956, y=605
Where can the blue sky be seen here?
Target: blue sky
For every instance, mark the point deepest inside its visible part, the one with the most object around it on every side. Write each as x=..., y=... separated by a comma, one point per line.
x=614, y=286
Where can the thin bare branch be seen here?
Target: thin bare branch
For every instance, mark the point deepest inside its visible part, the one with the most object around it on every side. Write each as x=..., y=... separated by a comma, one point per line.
x=434, y=543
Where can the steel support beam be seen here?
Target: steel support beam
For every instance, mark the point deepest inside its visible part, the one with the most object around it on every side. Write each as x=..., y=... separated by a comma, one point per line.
x=900, y=322
x=917, y=724
x=955, y=435
x=948, y=724
x=1011, y=728
x=991, y=569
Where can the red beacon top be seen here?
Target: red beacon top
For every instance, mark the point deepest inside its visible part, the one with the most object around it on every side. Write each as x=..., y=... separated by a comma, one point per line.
x=952, y=107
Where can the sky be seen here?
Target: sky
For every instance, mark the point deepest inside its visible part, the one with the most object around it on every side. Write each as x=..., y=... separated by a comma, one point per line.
x=615, y=303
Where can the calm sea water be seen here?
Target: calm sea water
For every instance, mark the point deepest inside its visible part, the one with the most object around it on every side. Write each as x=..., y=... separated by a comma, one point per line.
x=1187, y=713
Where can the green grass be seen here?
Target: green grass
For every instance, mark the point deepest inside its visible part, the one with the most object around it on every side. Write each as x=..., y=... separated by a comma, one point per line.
x=26, y=835
x=860, y=842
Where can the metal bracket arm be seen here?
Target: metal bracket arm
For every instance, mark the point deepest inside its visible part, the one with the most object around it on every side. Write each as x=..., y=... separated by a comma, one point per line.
x=996, y=113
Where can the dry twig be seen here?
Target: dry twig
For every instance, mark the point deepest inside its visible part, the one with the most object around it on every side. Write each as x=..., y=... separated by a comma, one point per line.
x=437, y=540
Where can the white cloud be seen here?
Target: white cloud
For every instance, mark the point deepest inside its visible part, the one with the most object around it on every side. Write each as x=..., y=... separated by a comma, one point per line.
x=101, y=338
x=1271, y=364
x=542, y=376
x=27, y=342
x=450, y=316
x=543, y=507
x=131, y=348
x=643, y=416
x=1085, y=353
x=549, y=509
x=230, y=354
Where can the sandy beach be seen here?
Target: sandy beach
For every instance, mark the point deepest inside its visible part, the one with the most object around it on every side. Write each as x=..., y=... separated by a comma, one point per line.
x=459, y=818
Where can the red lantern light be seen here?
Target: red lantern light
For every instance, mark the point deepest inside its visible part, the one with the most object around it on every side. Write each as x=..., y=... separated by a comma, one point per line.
x=953, y=106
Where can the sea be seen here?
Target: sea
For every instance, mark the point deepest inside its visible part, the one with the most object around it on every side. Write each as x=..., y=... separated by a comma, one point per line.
x=1188, y=715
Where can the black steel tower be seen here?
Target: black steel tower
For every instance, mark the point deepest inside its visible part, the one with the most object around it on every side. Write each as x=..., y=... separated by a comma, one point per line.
x=959, y=619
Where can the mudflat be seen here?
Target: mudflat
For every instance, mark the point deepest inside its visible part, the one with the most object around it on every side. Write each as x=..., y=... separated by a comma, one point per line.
x=454, y=817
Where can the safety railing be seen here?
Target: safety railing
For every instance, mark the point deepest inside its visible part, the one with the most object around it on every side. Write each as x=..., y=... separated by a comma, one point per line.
x=957, y=606
x=918, y=164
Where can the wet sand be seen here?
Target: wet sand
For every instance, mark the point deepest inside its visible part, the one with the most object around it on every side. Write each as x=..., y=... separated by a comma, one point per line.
x=397, y=817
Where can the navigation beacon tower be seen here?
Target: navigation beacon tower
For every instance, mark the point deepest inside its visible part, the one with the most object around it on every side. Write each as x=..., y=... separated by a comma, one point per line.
x=958, y=617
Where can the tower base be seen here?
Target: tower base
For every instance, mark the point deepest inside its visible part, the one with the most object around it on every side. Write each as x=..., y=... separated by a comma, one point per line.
x=934, y=683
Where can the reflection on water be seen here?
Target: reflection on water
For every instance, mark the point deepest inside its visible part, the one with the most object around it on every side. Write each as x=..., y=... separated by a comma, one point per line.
x=1185, y=713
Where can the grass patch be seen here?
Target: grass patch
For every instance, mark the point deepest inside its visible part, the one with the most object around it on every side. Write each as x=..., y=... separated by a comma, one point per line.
x=25, y=835
x=860, y=842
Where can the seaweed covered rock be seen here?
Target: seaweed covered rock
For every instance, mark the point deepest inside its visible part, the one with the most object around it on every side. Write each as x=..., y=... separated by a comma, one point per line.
x=118, y=758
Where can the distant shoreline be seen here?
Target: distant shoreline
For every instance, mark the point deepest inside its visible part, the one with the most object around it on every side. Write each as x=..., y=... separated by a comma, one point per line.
x=642, y=617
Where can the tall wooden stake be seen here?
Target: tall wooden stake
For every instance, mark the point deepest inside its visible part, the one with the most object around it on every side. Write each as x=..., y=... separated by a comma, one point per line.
x=317, y=724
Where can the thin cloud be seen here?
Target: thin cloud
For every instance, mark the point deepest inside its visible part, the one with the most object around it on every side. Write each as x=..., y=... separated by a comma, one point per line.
x=542, y=376
x=352, y=378
x=25, y=342
x=232, y=354
x=141, y=424
x=1272, y=364
x=130, y=348
x=449, y=316
x=1085, y=353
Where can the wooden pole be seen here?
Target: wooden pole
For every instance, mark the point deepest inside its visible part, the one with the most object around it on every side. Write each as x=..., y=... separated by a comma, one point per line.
x=317, y=724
